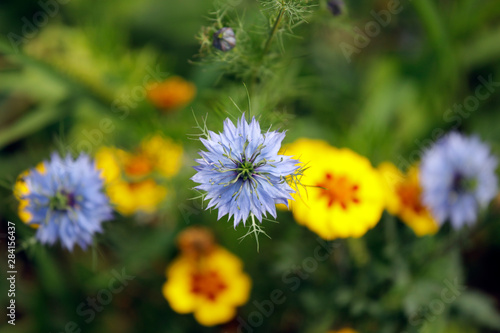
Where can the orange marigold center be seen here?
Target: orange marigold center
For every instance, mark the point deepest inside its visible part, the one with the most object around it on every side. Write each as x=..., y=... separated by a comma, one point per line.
x=339, y=189
x=409, y=195
x=207, y=284
x=138, y=166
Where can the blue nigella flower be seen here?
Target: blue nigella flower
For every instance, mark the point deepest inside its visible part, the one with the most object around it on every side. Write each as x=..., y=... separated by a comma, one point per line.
x=66, y=201
x=458, y=178
x=242, y=173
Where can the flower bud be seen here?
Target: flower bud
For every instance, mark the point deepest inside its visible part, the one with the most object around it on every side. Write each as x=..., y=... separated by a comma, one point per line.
x=196, y=242
x=336, y=7
x=224, y=39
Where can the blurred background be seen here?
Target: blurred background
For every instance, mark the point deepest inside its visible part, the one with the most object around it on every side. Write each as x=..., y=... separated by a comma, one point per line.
x=383, y=78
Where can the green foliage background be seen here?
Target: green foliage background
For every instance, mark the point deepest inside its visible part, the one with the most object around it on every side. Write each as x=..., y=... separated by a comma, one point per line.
x=387, y=101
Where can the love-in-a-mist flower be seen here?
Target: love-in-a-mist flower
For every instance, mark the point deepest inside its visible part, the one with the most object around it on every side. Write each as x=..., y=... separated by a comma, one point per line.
x=344, y=194
x=242, y=172
x=458, y=178
x=404, y=199
x=65, y=201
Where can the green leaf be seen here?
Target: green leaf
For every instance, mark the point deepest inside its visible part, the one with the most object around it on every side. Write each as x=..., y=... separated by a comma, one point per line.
x=435, y=325
x=480, y=308
x=31, y=123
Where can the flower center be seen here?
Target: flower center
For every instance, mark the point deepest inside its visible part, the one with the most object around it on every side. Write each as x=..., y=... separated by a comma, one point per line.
x=339, y=189
x=462, y=184
x=138, y=166
x=245, y=170
x=62, y=201
x=207, y=284
x=409, y=194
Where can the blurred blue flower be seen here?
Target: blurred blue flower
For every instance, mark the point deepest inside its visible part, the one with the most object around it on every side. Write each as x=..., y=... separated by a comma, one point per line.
x=458, y=177
x=224, y=39
x=242, y=172
x=66, y=201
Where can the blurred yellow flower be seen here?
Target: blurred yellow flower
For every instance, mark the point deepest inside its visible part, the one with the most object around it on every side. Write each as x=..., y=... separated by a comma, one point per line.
x=107, y=161
x=164, y=154
x=131, y=197
x=173, y=93
x=210, y=286
x=131, y=177
x=404, y=199
x=343, y=194
x=20, y=190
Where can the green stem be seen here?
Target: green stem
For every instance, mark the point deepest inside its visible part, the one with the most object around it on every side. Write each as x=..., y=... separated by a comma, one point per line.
x=30, y=123
x=273, y=32
x=486, y=49
x=267, y=46
x=439, y=37
x=255, y=231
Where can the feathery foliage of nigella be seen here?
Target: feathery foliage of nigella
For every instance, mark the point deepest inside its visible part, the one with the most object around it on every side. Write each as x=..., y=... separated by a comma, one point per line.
x=242, y=173
x=256, y=37
x=66, y=201
x=458, y=178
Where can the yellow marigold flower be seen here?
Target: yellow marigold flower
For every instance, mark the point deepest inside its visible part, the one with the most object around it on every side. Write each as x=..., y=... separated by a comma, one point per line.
x=129, y=177
x=21, y=190
x=404, y=199
x=164, y=154
x=131, y=197
x=344, y=194
x=173, y=93
x=107, y=161
x=136, y=166
x=211, y=286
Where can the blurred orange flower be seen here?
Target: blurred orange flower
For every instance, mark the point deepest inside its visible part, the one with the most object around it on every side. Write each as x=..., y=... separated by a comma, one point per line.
x=404, y=199
x=173, y=93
